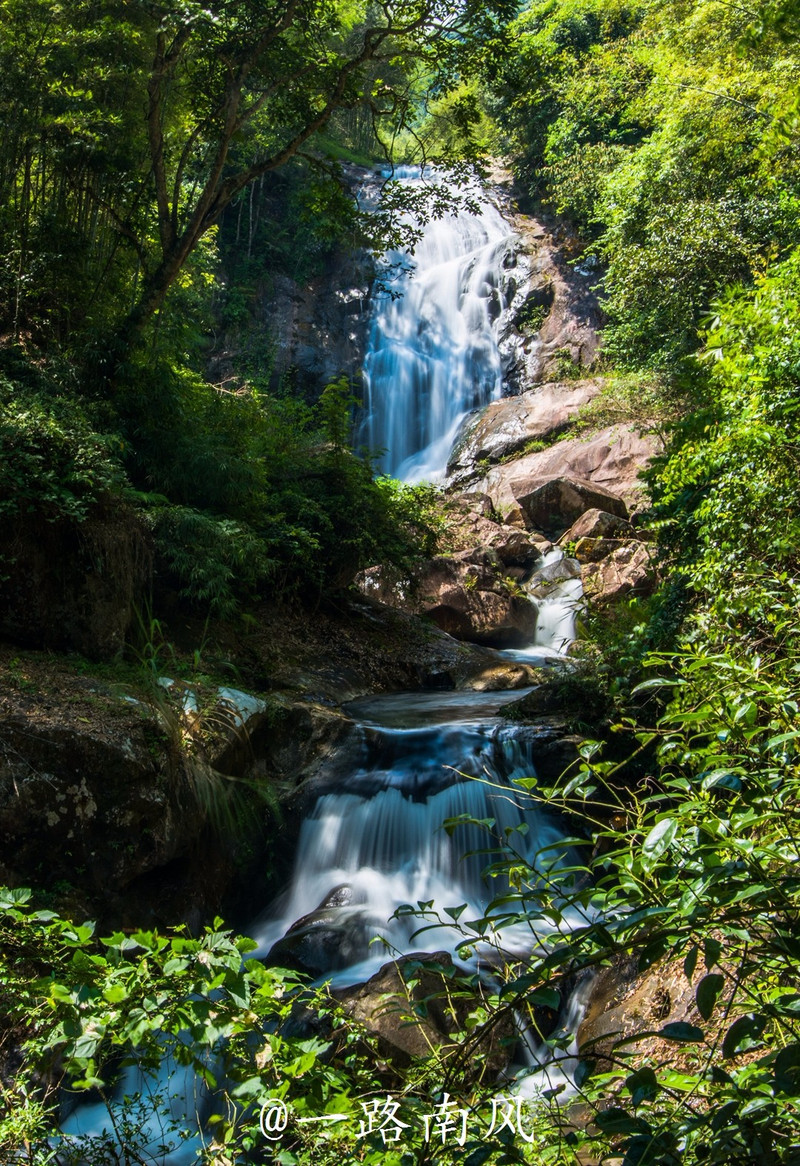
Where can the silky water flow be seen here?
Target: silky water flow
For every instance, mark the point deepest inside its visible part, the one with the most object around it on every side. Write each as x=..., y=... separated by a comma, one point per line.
x=432, y=353
x=381, y=837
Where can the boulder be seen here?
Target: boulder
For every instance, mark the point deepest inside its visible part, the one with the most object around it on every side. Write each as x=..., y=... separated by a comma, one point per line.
x=627, y=570
x=515, y=548
x=611, y=460
x=624, y=1001
x=547, y=579
x=507, y=426
x=326, y=940
x=502, y=678
x=470, y=595
x=90, y=798
x=551, y=504
x=415, y=1005
x=597, y=524
x=592, y=550
x=470, y=600
x=471, y=523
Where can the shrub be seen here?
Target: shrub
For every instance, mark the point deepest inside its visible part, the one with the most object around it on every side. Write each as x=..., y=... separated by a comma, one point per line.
x=52, y=463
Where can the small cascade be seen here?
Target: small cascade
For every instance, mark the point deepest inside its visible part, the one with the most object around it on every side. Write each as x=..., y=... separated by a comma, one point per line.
x=555, y=588
x=432, y=354
x=386, y=840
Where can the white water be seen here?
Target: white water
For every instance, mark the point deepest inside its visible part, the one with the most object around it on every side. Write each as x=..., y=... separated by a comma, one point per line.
x=432, y=354
x=383, y=837
x=556, y=590
x=378, y=841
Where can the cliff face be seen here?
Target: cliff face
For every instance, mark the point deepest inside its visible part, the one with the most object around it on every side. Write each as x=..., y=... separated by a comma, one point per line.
x=318, y=330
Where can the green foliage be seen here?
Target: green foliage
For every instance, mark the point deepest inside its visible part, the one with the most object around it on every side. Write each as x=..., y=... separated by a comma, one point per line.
x=657, y=130
x=690, y=875
x=275, y=499
x=727, y=494
x=53, y=465
x=91, y=1007
x=214, y=561
x=636, y=399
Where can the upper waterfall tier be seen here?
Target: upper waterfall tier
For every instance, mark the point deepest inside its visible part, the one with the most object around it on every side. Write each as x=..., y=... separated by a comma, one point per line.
x=432, y=353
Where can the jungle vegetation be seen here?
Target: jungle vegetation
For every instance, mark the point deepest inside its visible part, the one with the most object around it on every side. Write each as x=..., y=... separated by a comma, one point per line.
x=668, y=133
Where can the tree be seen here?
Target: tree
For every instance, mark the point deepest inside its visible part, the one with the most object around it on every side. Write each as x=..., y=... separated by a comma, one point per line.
x=131, y=127
x=235, y=90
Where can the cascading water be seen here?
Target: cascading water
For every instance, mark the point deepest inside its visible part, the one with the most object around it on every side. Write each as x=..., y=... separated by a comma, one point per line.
x=432, y=354
x=384, y=837
x=556, y=590
x=380, y=840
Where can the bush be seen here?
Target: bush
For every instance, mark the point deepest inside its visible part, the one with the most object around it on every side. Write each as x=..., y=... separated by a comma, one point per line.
x=52, y=463
x=213, y=561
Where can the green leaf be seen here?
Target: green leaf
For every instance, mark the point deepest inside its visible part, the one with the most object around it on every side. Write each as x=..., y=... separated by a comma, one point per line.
x=707, y=993
x=690, y=962
x=742, y=1034
x=658, y=842
x=642, y=1085
x=682, y=1032
x=787, y=1070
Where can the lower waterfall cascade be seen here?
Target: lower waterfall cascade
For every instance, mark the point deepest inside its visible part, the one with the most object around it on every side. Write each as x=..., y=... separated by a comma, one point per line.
x=377, y=841
x=383, y=837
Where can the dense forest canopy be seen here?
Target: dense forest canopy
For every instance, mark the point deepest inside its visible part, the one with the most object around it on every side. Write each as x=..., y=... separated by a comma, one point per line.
x=666, y=133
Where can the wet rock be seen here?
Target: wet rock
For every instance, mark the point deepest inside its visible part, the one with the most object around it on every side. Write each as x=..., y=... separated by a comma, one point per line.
x=628, y=570
x=415, y=1004
x=551, y=504
x=502, y=678
x=341, y=896
x=552, y=314
x=598, y=524
x=507, y=426
x=547, y=579
x=325, y=940
x=555, y=708
x=552, y=744
x=283, y=744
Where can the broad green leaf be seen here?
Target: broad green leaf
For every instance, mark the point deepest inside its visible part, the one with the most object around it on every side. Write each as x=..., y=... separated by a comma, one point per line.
x=707, y=993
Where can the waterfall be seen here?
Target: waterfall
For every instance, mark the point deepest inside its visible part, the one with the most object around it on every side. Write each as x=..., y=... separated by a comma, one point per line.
x=384, y=838
x=555, y=588
x=432, y=353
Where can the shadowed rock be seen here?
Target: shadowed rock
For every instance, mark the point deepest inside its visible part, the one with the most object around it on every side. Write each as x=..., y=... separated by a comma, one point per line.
x=551, y=504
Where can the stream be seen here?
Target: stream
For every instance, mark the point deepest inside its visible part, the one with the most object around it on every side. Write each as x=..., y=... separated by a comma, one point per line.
x=377, y=839
x=382, y=835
